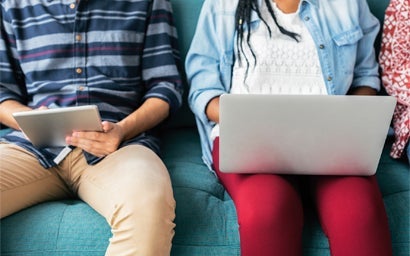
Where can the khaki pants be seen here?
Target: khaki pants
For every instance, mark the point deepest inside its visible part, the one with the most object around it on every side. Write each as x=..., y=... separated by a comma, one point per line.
x=131, y=188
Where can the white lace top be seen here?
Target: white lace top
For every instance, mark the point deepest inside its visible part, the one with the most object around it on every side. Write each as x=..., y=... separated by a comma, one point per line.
x=283, y=66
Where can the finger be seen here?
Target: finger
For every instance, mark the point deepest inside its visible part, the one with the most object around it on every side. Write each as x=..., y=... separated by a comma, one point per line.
x=93, y=136
x=92, y=147
x=107, y=126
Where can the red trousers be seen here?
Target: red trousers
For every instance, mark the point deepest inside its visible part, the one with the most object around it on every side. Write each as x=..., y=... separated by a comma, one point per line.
x=270, y=212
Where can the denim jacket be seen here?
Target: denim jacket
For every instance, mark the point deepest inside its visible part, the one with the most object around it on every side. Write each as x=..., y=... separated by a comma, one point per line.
x=344, y=32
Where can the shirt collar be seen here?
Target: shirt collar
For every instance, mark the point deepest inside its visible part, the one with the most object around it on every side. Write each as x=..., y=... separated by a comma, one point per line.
x=315, y=3
x=255, y=17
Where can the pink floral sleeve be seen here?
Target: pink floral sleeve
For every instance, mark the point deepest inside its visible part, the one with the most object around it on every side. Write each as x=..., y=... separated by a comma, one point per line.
x=395, y=66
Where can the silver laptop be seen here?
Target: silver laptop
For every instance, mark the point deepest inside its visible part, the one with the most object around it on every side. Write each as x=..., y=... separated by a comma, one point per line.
x=300, y=134
x=49, y=127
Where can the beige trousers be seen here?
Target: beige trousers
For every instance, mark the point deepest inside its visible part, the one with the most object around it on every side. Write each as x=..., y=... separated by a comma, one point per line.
x=131, y=188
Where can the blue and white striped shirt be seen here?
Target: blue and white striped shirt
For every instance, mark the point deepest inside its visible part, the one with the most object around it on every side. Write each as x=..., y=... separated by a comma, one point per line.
x=114, y=54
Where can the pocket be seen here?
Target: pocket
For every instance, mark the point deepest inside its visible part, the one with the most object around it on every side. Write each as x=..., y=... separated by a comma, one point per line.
x=346, y=45
x=348, y=37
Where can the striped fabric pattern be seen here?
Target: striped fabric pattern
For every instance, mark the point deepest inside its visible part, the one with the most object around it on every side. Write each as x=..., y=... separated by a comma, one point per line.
x=114, y=54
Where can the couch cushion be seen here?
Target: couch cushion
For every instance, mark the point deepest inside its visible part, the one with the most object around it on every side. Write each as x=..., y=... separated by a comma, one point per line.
x=65, y=228
x=394, y=181
x=206, y=222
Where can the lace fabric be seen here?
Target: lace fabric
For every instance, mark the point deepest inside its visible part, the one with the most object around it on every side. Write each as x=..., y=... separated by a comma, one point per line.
x=282, y=66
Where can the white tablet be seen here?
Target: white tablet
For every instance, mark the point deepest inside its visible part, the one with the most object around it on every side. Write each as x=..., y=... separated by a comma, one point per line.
x=49, y=127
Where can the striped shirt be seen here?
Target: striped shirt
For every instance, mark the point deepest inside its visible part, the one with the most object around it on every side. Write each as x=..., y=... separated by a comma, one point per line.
x=114, y=54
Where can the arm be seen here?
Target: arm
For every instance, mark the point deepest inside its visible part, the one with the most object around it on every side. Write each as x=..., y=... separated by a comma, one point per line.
x=151, y=113
x=160, y=72
x=366, y=70
x=212, y=110
x=362, y=90
x=12, y=89
x=7, y=108
x=207, y=59
x=160, y=58
x=161, y=81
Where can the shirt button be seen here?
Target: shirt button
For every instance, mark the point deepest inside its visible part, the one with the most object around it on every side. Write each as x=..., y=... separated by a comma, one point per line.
x=322, y=46
x=78, y=37
x=307, y=18
x=72, y=6
x=329, y=78
x=78, y=70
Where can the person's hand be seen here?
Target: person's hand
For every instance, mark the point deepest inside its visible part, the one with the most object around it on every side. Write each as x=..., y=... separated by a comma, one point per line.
x=363, y=90
x=99, y=144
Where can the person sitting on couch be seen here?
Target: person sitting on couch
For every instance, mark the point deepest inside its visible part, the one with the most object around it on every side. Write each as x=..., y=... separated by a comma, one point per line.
x=394, y=62
x=329, y=46
x=121, y=56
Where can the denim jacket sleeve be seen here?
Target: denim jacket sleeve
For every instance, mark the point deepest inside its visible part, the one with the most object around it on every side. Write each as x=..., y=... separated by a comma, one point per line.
x=366, y=71
x=209, y=60
x=209, y=63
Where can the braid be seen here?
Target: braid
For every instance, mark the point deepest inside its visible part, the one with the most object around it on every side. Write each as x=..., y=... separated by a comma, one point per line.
x=281, y=29
x=243, y=17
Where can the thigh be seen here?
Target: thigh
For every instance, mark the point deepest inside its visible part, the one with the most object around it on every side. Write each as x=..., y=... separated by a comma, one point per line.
x=126, y=176
x=344, y=189
x=352, y=215
x=269, y=209
x=24, y=182
x=346, y=198
x=272, y=195
x=132, y=189
x=279, y=188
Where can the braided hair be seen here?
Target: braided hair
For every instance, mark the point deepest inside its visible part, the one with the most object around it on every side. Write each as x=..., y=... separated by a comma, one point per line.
x=243, y=16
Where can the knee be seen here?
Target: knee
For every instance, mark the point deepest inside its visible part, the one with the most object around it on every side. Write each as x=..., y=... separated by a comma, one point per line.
x=363, y=216
x=270, y=210
x=357, y=215
x=143, y=220
x=150, y=201
x=350, y=202
x=145, y=186
x=270, y=217
x=158, y=200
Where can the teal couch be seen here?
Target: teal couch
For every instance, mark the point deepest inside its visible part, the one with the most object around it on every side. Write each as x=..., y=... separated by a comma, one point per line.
x=206, y=222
